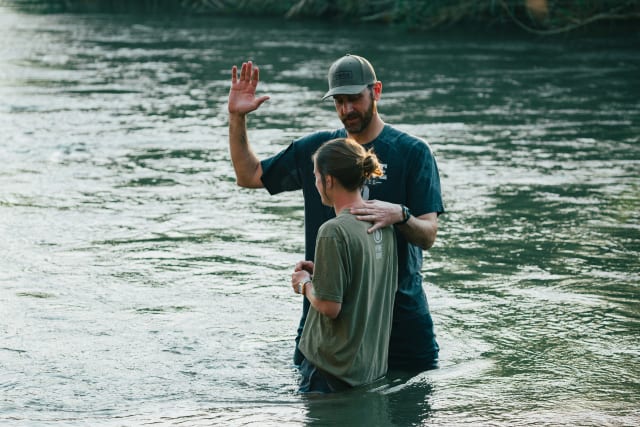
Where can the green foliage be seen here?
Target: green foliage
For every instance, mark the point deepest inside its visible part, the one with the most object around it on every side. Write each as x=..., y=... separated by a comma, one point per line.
x=540, y=16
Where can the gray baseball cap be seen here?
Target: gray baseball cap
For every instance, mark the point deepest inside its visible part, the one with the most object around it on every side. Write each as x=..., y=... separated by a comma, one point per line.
x=349, y=75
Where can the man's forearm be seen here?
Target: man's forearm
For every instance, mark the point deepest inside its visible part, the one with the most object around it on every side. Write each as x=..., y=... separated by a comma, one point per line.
x=421, y=231
x=245, y=163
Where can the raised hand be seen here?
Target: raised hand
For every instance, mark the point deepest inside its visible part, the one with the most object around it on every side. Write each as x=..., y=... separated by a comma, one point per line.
x=242, y=96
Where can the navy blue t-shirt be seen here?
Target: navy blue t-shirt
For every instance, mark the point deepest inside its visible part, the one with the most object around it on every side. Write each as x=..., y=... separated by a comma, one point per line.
x=410, y=178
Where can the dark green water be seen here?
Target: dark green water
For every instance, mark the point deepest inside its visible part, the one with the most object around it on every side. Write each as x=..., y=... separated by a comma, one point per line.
x=140, y=286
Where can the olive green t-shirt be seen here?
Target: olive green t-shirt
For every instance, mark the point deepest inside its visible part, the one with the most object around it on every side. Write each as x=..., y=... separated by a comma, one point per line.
x=358, y=270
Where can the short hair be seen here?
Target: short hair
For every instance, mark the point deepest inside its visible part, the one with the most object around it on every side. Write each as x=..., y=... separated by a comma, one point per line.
x=347, y=161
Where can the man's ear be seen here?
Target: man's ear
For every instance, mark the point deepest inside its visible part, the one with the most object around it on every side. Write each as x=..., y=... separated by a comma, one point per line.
x=377, y=90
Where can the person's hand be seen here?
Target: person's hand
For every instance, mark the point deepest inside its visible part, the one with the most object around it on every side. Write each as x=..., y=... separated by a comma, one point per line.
x=242, y=96
x=304, y=266
x=378, y=213
x=297, y=277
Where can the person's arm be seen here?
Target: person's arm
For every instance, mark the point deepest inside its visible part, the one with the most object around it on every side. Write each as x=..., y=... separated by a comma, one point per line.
x=420, y=231
x=331, y=309
x=242, y=101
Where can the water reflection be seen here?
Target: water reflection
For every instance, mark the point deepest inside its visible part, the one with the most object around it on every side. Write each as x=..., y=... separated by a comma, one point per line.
x=402, y=401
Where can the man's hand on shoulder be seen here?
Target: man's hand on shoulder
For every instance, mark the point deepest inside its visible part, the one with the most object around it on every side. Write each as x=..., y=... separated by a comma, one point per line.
x=420, y=231
x=378, y=213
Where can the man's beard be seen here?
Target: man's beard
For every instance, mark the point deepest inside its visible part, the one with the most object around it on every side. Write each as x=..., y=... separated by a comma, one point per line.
x=362, y=124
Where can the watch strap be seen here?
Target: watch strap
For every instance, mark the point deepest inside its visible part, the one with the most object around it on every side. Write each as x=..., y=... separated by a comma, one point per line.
x=406, y=214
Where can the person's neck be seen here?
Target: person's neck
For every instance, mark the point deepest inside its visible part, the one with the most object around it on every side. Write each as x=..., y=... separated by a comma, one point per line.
x=346, y=200
x=370, y=133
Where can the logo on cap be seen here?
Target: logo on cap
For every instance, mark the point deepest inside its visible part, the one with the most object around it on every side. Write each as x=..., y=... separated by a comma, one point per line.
x=341, y=76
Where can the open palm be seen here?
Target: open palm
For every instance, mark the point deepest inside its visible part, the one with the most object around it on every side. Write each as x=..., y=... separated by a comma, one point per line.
x=242, y=96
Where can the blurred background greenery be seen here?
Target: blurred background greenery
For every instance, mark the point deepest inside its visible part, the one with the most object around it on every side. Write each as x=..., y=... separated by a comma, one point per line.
x=535, y=16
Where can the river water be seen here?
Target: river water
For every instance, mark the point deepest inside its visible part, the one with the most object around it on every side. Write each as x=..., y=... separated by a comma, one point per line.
x=140, y=286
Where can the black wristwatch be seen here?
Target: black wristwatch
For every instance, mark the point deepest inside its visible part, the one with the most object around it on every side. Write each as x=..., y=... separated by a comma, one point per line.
x=406, y=214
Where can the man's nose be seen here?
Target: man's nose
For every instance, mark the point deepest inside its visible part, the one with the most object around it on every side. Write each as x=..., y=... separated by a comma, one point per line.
x=347, y=107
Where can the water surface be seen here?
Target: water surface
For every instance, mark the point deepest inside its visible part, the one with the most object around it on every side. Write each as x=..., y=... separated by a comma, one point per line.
x=139, y=285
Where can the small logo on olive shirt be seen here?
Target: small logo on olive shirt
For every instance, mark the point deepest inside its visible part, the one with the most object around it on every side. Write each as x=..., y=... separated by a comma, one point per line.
x=377, y=237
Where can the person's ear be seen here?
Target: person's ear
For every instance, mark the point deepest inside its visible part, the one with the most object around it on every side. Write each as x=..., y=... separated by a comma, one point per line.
x=328, y=181
x=377, y=90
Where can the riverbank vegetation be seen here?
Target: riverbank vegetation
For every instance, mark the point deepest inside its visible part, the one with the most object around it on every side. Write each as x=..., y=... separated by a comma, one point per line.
x=535, y=16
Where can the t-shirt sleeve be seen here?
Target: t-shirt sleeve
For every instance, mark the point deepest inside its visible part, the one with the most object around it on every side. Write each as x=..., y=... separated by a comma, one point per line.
x=424, y=192
x=292, y=167
x=281, y=172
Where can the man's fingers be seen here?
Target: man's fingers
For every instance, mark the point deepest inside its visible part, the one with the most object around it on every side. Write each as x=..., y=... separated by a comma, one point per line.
x=374, y=227
x=358, y=211
x=256, y=76
x=248, y=74
x=261, y=100
x=234, y=74
x=245, y=72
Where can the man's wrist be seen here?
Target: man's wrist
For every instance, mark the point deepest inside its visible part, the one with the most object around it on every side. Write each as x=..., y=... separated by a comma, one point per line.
x=406, y=214
x=237, y=115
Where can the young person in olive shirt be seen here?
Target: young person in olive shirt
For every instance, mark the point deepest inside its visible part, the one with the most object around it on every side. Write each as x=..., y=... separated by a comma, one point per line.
x=345, y=339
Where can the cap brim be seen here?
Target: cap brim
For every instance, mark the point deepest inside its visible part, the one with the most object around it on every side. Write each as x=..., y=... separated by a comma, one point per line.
x=344, y=90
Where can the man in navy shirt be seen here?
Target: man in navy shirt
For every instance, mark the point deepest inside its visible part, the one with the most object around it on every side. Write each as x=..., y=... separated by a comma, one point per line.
x=408, y=195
